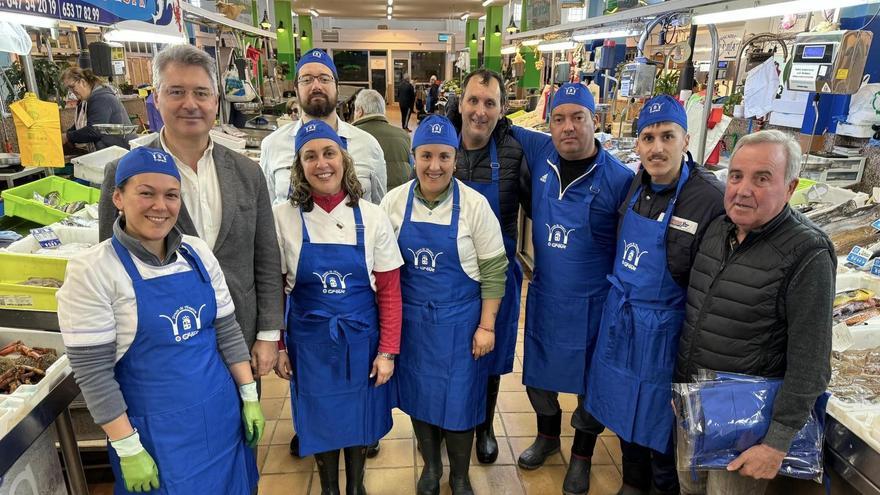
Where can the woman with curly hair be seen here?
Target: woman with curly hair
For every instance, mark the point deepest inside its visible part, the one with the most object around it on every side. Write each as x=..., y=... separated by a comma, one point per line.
x=342, y=265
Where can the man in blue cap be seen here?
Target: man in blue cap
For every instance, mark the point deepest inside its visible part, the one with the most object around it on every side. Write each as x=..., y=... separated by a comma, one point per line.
x=669, y=206
x=316, y=91
x=576, y=190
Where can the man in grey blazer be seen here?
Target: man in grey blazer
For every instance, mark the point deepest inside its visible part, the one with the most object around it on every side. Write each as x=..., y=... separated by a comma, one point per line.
x=225, y=197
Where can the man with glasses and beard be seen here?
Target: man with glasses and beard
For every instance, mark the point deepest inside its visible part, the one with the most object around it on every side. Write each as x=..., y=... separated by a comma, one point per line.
x=316, y=89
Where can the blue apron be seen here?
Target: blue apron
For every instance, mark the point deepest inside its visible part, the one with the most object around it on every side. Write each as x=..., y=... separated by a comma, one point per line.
x=564, y=302
x=332, y=340
x=180, y=395
x=507, y=321
x=440, y=382
x=630, y=380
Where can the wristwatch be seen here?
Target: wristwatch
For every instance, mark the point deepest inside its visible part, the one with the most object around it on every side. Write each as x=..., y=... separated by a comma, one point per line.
x=387, y=355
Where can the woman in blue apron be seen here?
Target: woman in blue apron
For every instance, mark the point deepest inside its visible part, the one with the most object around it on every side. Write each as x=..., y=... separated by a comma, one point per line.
x=449, y=316
x=338, y=370
x=181, y=362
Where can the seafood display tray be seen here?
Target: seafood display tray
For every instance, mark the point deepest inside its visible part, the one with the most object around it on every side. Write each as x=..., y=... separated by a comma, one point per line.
x=91, y=167
x=14, y=407
x=16, y=268
x=19, y=202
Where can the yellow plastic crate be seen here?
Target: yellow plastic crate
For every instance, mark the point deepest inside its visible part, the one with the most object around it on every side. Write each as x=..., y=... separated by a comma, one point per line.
x=17, y=268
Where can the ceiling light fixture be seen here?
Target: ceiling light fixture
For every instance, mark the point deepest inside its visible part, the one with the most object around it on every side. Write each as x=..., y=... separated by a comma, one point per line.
x=487, y=2
x=618, y=33
x=389, y=9
x=764, y=11
x=280, y=27
x=465, y=16
x=473, y=37
x=482, y=18
x=314, y=13
x=389, y=16
x=511, y=26
x=557, y=46
x=390, y=2
x=483, y=35
x=305, y=35
x=265, y=24
x=497, y=30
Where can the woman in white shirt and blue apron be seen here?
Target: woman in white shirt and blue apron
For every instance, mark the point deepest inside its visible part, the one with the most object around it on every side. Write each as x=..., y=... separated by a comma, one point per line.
x=151, y=334
x=343, y=318
x=446, y=232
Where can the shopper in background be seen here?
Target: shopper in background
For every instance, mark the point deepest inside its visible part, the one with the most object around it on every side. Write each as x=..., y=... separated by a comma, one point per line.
x=97, y=104
x=369, y=116
x=491, y=161
x=452, y=284
x=669, y=207
x=406, y=98
x=433, y=94
x=317, y=93
x=766, y=257
x=225, y=202
x=342, y=272
x=149, y=326
x=577, y=188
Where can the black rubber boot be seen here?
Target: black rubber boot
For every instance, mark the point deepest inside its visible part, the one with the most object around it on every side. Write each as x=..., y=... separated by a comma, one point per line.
x=545, y=444
x=355, y=463
x=372, y=450
x=294, y=446
x=487, y=446
x=635, y=467
x=577, y=478
x=328, y=470
x=458, y=447
x=429, y=437
x=631, y=490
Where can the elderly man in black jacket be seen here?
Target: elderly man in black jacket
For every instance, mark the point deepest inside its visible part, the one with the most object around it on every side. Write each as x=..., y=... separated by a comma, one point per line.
x=759, y=302
x=491, y=161
x=406, y=98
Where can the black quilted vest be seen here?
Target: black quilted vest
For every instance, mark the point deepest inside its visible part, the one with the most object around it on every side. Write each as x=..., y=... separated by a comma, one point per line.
x=735, y=318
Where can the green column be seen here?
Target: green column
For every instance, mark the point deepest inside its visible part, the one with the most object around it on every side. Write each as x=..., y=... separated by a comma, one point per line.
x=492, y=55
x=306, y=35
x=472, y=37
x=532, y=77
x=256, y=18
x=286, y=53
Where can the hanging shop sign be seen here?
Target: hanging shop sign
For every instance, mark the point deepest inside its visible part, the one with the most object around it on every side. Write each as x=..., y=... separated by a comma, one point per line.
x=100, y=12
x=571, y=4
x=729, y=45
x=543, y=13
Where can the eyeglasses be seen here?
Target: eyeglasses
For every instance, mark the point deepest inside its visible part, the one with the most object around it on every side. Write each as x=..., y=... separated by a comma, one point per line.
x=324, y=79
x=70, y=86
x=199, y=94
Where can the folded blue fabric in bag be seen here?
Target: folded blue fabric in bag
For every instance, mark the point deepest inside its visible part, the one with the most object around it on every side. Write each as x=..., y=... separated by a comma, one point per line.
x=734, y=413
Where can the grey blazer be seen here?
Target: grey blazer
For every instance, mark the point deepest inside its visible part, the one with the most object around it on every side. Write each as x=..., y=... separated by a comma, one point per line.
x=246, y=246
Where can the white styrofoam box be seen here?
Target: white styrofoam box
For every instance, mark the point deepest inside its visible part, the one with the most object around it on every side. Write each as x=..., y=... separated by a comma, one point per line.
x=227, y=140
x=857, y=131
x=91, y=167
x=795, y=120
x=142, y=140
x=66, y=234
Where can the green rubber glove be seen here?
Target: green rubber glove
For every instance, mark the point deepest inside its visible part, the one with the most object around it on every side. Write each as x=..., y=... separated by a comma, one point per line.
x=254, y=423
x=139, y=471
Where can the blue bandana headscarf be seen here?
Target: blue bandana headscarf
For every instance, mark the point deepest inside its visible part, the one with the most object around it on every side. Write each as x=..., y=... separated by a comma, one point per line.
x=316, y=129
x=316, y=55
x=435, y=129
x=662, y=108
x=145, y=160
x=575, y=93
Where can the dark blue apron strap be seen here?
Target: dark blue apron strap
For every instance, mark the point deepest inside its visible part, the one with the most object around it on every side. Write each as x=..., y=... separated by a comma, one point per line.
x=494, y=163
x=407, y=212
x=125, y=258
x=305, y=231
x=456, y=211
x=667, y=216
x=189, y=254
x=359, y=226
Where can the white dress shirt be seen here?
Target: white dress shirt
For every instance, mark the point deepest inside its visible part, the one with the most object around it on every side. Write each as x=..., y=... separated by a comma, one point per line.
x=200, y=192
x=277, y=154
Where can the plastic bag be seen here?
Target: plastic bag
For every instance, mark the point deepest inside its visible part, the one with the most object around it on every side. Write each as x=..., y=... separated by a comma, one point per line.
x=236, y=90
x=723, y=414
x=864, y=107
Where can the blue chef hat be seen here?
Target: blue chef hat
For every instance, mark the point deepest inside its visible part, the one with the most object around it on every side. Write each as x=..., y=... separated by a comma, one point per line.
x=145, y=160
x=662, y=108
x=435, y=129
x=575, y=93
x=316, y=129
x=316, y=55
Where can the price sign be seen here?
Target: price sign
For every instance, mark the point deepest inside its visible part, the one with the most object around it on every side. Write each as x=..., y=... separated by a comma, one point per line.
x=859, y=256
x=46, y=237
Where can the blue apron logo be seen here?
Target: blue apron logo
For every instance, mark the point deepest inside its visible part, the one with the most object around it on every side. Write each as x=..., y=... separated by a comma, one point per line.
x=333, y=281
x=425, y=259
x=631, y=255
x=184, y=317
x=557, y=236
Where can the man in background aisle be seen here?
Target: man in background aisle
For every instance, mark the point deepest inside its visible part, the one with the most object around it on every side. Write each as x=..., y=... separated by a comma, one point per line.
x=433, y=94
x=225, y=200
x=491, y=161
x=369, y=116
x=406, y=98
x=317, y=92
x=577, y=188
x=759, y=302
x=669, y=207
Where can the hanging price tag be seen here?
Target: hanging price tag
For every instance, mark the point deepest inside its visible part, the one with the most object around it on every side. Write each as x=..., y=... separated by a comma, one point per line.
x=875, y=267
x=46, y=237
x=876, y=224
x=859, y=256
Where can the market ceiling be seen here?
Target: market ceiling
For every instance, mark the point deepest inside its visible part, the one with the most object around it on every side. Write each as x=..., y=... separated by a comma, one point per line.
x=402, y=9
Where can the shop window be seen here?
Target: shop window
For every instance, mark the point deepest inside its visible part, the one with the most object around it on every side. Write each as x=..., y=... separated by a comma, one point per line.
x=427, y=64
x=352, y=65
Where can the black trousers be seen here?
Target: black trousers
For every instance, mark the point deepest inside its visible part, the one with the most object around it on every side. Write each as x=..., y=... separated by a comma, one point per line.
x=643, y=467
x=405, y=112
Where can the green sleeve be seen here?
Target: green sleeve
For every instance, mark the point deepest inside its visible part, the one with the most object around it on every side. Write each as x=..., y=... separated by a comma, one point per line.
x=493, y=274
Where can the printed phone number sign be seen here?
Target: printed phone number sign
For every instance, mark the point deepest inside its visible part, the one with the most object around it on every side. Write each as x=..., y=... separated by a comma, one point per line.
x=159, y=12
